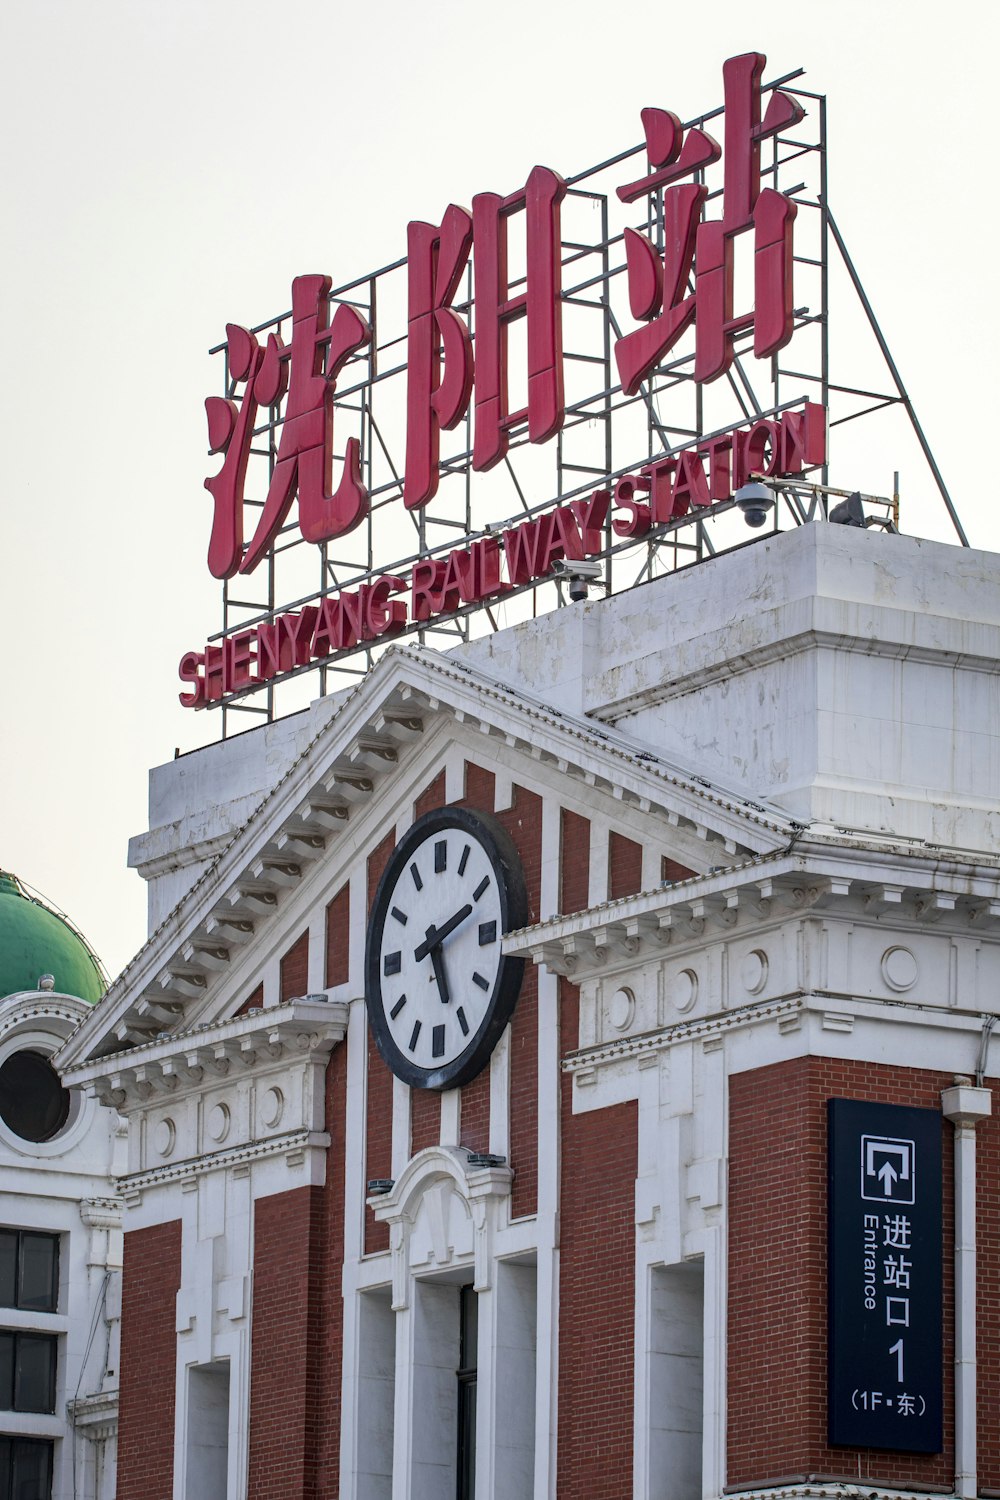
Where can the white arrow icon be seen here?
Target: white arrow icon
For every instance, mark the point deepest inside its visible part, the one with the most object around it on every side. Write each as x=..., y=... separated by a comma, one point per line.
x=889, y=1163
x=887, y=1174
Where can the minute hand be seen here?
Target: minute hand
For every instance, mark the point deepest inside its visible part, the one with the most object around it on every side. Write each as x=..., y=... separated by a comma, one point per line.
x=436, y=935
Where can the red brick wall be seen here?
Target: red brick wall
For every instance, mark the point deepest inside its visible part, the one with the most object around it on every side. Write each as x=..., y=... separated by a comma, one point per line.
x=378, y=1121
x=777, y=1273
x=252, y=1002
x=150, y=1281
x=298, y=1325
x=338, y=938
x=624, y=866
x=294, y=980
x=574, y=862
x=425, y=1119
x=432, y=796
x=988, y=1299
x=284, y=1297
x=596, y=1289
x=480, y=788
x=475, y=1122
x=671, y=869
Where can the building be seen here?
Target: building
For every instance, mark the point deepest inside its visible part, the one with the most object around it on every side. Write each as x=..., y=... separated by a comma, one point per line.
x=750, y=809
x=60, y=1221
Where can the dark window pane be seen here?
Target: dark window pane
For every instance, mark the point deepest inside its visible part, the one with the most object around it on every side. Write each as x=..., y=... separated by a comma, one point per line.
x=39, y=1272
x=35, y=1371
x=5, y=1462
x=33, y=1103
x=468, y=1356
x=467, y=1440
x=8, y=1267
x=32, y=1471
x=7, y=1343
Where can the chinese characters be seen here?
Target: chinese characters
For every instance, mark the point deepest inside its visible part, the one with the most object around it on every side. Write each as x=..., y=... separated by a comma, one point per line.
x=462, y=301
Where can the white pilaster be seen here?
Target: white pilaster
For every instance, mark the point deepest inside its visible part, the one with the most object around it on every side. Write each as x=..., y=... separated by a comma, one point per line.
x=965, y=1106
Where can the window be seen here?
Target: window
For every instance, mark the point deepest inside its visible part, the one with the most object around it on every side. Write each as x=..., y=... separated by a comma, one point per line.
x=25, y=1469
x=33, y=1102
x=468, y=1338
x=29, y=1270
x=376, y=1344
x=208, y=1431
x=514, y=1376
x=27, y=1371
x=443, y=1408
x=675, y=1380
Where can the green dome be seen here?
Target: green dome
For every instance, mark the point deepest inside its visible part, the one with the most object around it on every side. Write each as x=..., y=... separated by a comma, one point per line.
x=34, y=941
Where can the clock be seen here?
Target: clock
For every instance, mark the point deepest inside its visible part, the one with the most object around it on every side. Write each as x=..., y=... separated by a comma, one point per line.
x=438, y=988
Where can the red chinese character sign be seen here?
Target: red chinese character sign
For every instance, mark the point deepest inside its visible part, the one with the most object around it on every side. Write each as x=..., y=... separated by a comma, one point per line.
x=658, y=284
x=306, y=373
x=441, y=370
x=586, y=367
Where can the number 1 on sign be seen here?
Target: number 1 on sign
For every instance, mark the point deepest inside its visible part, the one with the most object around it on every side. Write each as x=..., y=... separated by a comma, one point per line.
x=897, y=1350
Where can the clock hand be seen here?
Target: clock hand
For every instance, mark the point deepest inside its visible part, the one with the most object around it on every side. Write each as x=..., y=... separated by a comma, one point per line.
x=438, y=964
x=436, y=935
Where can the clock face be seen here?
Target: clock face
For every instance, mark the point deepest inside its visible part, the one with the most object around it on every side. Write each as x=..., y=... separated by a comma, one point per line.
x=438, y=988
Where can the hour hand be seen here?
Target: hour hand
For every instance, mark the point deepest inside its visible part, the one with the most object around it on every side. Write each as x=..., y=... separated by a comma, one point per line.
x=436, y=935
x=437, y=962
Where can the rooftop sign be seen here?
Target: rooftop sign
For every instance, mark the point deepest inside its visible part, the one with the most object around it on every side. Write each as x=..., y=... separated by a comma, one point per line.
x=607, y=351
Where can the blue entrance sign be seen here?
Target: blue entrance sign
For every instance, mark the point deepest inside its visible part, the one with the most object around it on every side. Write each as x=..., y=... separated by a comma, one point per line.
x=884, y=1261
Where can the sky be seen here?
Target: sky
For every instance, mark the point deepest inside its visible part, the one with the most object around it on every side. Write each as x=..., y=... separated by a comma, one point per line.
x=170, y=166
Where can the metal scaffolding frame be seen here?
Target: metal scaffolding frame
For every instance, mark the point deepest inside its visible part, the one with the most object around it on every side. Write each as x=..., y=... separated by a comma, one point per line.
x=605, y=434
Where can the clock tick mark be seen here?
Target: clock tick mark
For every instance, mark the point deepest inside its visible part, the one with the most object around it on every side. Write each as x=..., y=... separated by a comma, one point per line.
x=464, y=860
x=440, y=856
x=481, y=887
x=393, y=963
x=414, y=1035
x=487, y=933
x=437, y=1042
x=460, y=1013
x=416, y=877
x=400, y=915
x=397, y=1007
x=483, y=984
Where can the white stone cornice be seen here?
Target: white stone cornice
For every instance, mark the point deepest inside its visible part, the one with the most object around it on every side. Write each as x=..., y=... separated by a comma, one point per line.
x=292, y=1146
x=849, y=880
x=788, y=1012
x=833, y=1489
x=102, y=1213
x=586, y=1059
x=41, y=1010
x=191, y=1061
x=95, y=1416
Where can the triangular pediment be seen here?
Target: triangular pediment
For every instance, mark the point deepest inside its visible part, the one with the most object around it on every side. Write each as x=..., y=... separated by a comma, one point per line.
x=347, y=788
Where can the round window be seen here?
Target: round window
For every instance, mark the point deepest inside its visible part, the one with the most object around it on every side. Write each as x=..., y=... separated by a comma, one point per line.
x=33, y=1103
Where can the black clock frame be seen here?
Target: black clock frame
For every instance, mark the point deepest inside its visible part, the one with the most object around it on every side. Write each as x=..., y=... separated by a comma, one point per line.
x=506, y=863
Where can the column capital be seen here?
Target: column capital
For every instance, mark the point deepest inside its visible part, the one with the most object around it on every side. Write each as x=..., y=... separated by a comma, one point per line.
x=966, y=1105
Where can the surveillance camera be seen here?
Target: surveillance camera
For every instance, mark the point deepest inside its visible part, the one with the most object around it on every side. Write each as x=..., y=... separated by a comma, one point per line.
x=754, y=500
x=580, y=575
x=572, y=568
